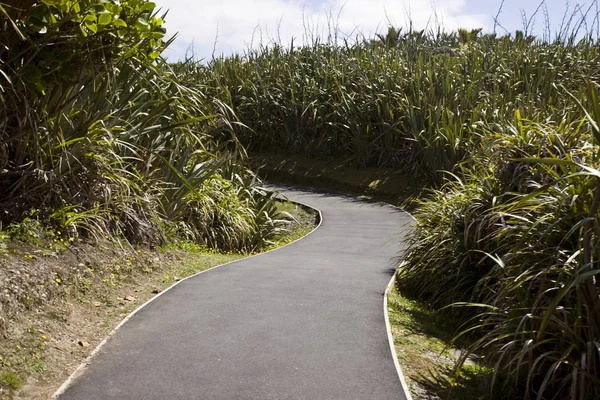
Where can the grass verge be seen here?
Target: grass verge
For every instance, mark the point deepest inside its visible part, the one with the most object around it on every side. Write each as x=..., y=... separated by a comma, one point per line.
x=60, y=299
x=301, y=220
x=428, y=356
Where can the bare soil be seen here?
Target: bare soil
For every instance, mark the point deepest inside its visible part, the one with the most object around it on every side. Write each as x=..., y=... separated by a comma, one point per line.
x=58, y=305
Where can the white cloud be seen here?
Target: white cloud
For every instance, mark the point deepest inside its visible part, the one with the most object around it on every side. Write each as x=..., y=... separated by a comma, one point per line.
x=239, y=22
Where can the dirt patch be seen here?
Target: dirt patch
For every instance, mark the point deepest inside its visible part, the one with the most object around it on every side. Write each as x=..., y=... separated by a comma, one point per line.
x=58, y=306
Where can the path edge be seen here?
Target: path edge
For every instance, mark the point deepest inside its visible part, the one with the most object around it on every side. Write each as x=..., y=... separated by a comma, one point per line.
x=390, y=336
x=81, y=368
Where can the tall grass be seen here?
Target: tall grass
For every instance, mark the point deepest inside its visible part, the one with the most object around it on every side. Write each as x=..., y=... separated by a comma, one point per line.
x=98, y=135
x=512, y=245
x=412, y=103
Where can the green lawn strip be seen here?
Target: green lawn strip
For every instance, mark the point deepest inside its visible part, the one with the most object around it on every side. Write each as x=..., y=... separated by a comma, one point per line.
x=427, y=354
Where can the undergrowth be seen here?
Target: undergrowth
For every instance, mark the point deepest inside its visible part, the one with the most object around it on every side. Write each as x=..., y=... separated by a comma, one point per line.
x=98, y=136
x=102, y=138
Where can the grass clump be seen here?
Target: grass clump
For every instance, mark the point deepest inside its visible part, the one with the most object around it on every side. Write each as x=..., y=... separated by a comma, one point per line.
x=298, y=221
x=511, y=247
x=10, y=380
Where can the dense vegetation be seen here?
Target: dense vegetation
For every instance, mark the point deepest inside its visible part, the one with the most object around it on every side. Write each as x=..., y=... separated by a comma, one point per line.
x=509, y=239
x=413, y=101
x=99, y=138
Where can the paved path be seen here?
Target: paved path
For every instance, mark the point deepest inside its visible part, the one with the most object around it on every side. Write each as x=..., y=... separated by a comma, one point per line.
x=302, y=322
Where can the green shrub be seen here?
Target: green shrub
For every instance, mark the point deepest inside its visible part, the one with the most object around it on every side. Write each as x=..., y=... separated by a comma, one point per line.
x=97, y=133
x=511, y=245
x=225, y=216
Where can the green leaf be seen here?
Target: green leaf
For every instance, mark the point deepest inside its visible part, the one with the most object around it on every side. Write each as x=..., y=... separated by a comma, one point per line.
x=592, y=171
x=91, y=26
x=142, y=25
x=119, y=22
x=556, y=161
x=112, y=8
x=592, y=92
x=148, y=7
x=104, y=19
x=594, y=119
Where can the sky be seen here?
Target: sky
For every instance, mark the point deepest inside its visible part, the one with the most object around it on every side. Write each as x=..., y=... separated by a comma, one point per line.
x=222, y=27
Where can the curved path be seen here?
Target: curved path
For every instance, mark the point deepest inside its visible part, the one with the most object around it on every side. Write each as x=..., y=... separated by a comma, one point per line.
x=302, y=322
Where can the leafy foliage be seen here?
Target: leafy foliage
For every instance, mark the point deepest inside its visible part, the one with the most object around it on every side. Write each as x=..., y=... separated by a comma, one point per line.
x=97, y=134
x=512, y=246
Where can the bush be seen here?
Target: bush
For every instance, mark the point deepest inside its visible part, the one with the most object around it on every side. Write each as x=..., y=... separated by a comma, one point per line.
x=98, y=135
x=511, y=246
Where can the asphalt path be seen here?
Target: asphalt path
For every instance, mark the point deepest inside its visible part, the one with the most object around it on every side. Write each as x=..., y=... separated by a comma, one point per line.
x=305, y=321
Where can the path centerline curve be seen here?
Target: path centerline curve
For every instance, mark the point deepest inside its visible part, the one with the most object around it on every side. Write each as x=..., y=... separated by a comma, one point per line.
x=302, y=322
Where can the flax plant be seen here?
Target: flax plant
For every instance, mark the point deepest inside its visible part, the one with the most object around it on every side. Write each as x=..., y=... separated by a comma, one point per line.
x=101, y=138
x=412, y=103
x=511, y=248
